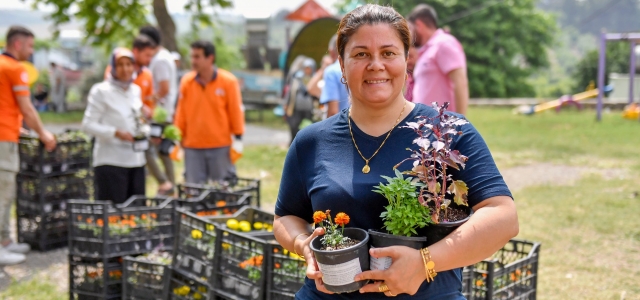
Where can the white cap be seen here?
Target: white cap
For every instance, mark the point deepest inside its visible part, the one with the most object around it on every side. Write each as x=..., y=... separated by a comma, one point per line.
x=176, y=55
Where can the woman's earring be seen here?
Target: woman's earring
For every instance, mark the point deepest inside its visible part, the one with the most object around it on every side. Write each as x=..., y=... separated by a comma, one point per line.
x=343, y=80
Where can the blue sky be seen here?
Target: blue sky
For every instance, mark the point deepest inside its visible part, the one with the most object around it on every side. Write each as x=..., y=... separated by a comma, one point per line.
x=248, y=8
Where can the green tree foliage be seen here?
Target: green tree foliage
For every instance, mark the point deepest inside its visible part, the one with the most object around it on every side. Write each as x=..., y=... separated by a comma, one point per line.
x=109, y=22
x=228, y=55
x=617, y=61
x=505, y=41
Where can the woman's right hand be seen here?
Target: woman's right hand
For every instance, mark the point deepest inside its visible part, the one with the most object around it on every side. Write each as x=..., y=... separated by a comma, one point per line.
x=313, y=271
x=125, y=136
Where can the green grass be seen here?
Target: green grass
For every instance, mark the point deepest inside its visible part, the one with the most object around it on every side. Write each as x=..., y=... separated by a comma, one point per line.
x=33, y=289
x=568, y=137
x=61, y=118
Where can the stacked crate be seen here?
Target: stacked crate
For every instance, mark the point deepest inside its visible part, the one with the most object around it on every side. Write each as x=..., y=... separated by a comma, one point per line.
x=101, y=234
x=226, y=262
x=235, y=185
x=45, y=182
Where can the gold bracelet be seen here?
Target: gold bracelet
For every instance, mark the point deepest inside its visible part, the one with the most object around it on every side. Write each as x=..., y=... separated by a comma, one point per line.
x=294, y=244
x=429, y=265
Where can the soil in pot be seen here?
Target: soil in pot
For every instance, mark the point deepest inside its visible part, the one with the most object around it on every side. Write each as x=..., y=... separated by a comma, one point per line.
x=379, y=239
x=436, y=232
x=339, y=267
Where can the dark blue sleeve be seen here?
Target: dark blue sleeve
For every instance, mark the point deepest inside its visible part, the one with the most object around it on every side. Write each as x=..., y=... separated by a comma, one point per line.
x=481, y=173
x=293, y=198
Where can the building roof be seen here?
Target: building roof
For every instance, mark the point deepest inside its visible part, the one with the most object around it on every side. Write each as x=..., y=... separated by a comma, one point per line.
x=308, y=12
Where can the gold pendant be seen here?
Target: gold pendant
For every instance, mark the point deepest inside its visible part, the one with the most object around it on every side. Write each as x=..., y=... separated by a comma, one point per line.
x=366, y=169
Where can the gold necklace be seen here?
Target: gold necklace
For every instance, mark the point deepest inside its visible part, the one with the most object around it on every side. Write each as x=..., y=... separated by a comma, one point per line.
x=366, y=167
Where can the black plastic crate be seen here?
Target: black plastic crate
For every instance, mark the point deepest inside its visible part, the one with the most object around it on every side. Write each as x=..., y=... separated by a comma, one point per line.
x=102, y=229
x=144, y=279
x=194, y=247
x=44, y=232
x=39, y=195
x=72, y=152
x=183, y=286
x=241, y=265
x=95, y=278
x=286, y=273
x=236, y=185
x=511, y=273
x=213, y=203
x=259, y=220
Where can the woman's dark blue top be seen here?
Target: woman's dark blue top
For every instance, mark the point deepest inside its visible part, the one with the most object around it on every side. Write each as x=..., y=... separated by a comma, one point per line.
x=323, y=170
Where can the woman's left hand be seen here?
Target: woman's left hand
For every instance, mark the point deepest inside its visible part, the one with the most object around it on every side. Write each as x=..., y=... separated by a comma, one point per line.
x=405, y=275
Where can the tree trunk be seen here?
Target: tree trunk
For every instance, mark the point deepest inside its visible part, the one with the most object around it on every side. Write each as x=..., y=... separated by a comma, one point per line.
x=165, y=24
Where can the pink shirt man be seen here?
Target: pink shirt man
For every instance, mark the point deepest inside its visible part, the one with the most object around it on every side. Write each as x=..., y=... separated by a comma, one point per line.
x=439, y=56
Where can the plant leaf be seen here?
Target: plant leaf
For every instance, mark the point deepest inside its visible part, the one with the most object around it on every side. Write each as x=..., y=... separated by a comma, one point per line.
x=458, y=158
x=460, y=190
x=438, y=145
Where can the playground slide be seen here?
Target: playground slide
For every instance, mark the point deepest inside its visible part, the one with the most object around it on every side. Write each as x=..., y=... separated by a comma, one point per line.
x=530, y=110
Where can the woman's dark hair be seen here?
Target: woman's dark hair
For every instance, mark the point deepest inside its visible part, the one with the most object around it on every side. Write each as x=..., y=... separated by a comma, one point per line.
x=207, y=47
x=372, y=14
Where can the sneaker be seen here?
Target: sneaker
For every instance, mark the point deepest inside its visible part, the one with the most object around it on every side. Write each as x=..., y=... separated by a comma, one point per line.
x=18, y=248
x=9, y=258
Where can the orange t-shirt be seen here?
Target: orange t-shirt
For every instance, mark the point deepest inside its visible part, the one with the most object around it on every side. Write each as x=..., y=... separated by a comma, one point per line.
x=209, y=114
x=144, y=80
x=13, y=84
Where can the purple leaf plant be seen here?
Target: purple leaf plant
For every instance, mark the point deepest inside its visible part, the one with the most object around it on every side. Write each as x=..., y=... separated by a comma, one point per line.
x=432, y=159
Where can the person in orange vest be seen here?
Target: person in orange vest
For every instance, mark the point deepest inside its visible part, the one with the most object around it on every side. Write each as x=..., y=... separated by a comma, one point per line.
x=15, y=106
x=210, y=117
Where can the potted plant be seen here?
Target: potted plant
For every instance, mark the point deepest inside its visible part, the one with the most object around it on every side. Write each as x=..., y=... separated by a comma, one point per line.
x=341, y=253
x=432, y=161
x=402, y=218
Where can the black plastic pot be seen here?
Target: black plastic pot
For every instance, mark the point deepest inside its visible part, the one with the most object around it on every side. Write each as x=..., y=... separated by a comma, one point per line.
x=339, y=267
x=166, y=147
x=140, y=144
x=437, y=232
x=379, y=239
x=156, y=130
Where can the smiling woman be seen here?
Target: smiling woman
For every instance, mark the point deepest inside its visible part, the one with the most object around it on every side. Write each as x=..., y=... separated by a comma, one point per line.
x=334, y=165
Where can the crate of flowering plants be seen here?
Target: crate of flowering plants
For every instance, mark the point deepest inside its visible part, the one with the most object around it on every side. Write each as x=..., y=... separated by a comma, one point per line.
x=72, y=153
x=240, y=264
x=511, y=273
x=233, y=185
x=103, y=229
x=286, y=272
x=210, y=246
x=213, y=203
x=146, y=276
x=95, y=278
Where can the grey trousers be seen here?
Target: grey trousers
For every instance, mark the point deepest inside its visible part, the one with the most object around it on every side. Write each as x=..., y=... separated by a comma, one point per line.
x=152, y=164
x=203, y=165
x=9, y=165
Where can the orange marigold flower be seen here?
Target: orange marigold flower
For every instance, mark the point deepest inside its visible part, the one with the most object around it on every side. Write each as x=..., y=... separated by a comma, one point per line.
x=143, y=216
x=342, y=219
x=89, y=220
x=100, y=222
x=479, y=283
x=319, y=217
x=221, y=203
x=153, y=215
x=277, y=265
